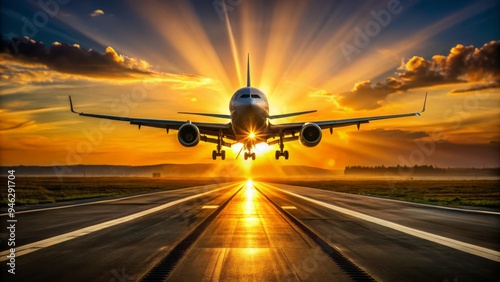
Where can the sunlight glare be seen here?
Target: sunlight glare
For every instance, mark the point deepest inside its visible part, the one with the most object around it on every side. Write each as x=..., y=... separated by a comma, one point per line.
x=249, y=184
x=237, y=147
x=262, y=148
x=251, y=251
x=249, y=192
x=343, y=136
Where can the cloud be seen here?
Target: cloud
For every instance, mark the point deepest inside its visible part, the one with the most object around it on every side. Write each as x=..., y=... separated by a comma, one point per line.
x=12, y=125
x=28, y=61
x=386, y=134
x=97, y=13
x=477, y=87
x=22, y=73
x=72, y=59
x=463, y=64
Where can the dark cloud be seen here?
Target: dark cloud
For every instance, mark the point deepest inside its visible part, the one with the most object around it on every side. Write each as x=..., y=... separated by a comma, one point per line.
x=9, y=126
x=72, y=59
x=477, y=87
x=366, y=95
x=463, y=64
x=391, y=134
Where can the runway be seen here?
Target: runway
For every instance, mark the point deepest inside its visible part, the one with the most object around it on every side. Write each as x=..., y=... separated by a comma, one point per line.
x=254, y=232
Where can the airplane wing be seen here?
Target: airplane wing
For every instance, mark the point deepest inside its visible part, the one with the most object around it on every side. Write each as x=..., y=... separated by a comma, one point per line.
x=294, y=128
x=211, y=129
x=206, y=115
x=291, y=114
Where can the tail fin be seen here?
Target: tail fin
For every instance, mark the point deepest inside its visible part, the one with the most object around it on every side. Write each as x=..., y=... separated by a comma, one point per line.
x=248, y=70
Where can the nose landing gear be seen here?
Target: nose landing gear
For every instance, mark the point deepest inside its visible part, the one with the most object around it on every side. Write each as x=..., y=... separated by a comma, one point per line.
x=249, y=155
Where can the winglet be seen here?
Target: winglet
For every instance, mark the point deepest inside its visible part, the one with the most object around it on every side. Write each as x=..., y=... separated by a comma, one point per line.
x=425, y=101
x=71, y=105
x=248, y=70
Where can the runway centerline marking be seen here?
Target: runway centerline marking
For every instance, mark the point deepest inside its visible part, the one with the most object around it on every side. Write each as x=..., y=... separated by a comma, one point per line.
x=452, y=243
x=26, y=249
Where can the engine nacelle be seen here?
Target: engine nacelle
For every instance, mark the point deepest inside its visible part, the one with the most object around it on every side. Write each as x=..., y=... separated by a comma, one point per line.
x=188, y=135
x=310, y=134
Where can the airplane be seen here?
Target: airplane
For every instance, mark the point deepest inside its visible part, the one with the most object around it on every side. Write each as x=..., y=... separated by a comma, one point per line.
x=250, y=124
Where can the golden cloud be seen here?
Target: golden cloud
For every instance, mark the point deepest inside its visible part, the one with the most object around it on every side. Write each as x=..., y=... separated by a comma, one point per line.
x=464, y=64
x=29, y=61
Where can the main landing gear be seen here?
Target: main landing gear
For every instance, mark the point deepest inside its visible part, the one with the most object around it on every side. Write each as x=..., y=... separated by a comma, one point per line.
x=219, y=152
x=279, y=153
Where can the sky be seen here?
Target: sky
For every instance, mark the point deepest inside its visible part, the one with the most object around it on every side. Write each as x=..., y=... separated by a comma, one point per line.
x=345, y=59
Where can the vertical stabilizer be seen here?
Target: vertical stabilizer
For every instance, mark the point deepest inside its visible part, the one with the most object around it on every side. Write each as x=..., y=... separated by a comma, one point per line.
x=248, y=70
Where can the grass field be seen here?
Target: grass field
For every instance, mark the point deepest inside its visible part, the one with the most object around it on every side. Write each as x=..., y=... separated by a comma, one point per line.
x=37, y=190
x=473, y=193
x=477, y=193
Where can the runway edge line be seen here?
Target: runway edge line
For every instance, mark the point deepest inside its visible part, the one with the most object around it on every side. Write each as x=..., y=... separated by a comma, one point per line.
x=452, y=243
x=29, y=248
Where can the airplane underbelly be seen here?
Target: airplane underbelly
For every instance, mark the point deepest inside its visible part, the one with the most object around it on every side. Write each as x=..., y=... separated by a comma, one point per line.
x=249, y=121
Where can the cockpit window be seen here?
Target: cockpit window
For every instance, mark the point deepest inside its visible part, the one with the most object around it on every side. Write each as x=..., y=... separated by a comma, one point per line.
x=255, y=96
x=245, y=96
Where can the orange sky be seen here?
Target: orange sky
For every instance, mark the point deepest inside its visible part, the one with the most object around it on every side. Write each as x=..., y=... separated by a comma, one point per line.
x=299, y=69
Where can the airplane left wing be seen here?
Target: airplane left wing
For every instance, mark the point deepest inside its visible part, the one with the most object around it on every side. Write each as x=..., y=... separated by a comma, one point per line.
x=212, y=129
x=206, y=115
x=294, y=128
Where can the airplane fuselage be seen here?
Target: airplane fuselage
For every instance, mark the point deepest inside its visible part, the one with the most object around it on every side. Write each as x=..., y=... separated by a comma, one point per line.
x=249, y=111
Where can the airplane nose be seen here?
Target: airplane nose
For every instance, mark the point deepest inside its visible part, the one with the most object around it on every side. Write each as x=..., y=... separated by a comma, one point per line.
x=255, y=101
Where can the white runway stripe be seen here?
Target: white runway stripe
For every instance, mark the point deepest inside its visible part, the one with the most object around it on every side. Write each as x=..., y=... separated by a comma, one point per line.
x=29, y=248
x=452, y=243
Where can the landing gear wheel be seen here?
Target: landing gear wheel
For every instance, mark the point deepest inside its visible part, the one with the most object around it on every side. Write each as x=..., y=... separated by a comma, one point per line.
x=281, y=151
x=246, y=156
x=253, y=156
x=219, y=152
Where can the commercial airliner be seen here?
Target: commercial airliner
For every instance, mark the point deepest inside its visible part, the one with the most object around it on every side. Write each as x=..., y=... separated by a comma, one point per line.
x=250, y=124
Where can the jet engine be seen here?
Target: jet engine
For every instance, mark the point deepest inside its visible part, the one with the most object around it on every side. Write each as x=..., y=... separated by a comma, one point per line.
x=310, y=134
x=189, y=135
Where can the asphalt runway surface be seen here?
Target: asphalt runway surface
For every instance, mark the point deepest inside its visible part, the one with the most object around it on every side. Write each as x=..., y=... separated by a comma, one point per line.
x=252, y=232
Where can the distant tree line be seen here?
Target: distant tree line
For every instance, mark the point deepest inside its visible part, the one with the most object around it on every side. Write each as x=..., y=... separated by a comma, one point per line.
x=418, y=170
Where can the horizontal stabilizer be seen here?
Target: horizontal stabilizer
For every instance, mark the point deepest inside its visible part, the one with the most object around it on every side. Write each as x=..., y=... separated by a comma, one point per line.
x=207, y=115
x=291, y=114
